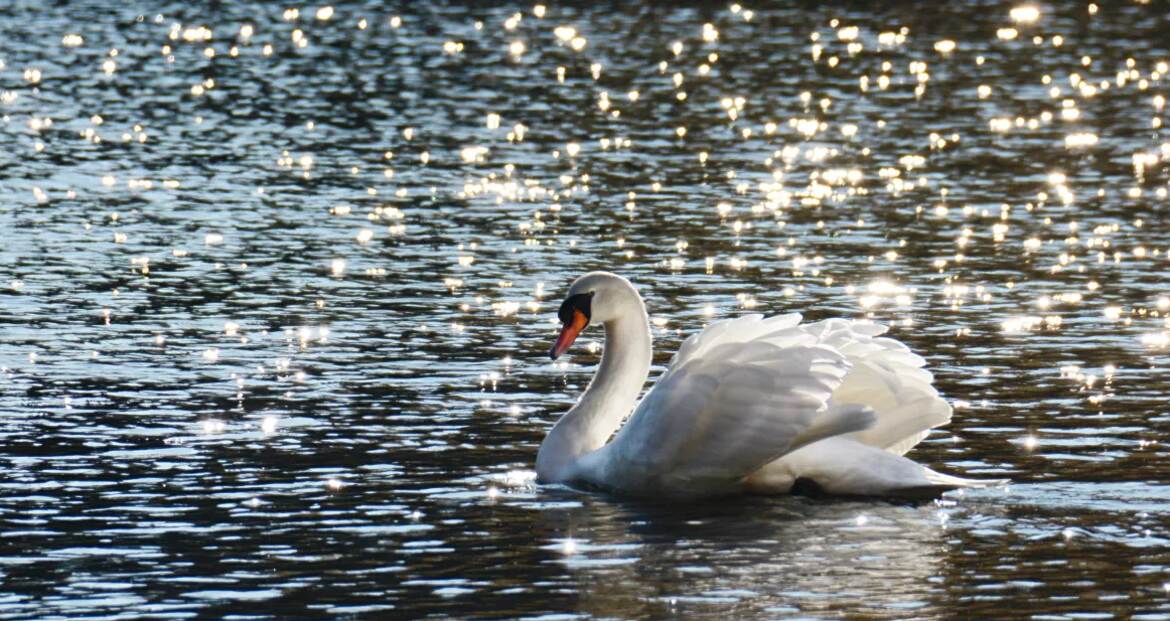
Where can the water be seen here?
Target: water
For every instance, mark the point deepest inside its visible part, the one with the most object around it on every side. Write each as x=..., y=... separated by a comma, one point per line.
x=273, y=320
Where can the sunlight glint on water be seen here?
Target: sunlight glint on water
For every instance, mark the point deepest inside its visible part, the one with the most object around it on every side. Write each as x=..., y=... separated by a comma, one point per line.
x=279, y=283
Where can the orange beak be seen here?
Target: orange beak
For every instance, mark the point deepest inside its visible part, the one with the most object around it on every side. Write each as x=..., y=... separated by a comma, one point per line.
x=569, y=332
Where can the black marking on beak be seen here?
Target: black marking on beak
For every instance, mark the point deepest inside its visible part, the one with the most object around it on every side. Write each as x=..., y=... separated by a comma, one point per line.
x=581, y=302
x=574, y=315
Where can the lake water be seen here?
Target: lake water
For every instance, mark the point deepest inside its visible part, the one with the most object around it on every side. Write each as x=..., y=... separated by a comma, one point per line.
x=277, y=289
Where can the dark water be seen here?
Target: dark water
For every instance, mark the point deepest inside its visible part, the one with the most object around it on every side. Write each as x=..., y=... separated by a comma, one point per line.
x=220, y=397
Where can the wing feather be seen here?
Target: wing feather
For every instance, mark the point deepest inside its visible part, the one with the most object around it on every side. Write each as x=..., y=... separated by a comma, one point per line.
x=727, y=408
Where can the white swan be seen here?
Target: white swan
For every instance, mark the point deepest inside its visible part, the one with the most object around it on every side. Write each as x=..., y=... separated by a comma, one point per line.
x=748, y=405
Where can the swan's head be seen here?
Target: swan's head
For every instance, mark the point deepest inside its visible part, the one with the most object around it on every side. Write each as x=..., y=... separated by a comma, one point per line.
x=596, y=297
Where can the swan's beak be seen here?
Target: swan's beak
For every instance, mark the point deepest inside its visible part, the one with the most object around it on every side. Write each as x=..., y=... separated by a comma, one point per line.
x=569, y=332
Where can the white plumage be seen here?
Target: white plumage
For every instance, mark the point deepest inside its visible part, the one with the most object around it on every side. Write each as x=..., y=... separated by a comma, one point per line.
x=751, y=404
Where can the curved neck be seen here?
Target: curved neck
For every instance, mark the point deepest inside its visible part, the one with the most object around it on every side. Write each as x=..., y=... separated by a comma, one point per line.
x=625, y=364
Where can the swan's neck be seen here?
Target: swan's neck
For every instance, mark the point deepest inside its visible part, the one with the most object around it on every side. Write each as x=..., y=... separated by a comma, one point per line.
x=625, y=364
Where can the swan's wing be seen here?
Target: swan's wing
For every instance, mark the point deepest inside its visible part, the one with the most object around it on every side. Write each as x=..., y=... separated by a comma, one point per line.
x=886, y=376
x=736, y=397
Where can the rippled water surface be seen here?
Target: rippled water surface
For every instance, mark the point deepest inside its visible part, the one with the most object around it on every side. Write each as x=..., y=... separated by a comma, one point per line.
x=277, y=284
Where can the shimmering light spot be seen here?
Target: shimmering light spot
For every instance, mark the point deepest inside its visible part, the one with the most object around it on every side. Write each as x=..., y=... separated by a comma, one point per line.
x=564, y=34
x=1015, y=325
x=473, y=154
x=1025, y=14
x=1080, y=139
x=1156, y=340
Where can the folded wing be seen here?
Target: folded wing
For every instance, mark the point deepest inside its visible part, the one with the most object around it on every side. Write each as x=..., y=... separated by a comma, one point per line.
x=736, y=396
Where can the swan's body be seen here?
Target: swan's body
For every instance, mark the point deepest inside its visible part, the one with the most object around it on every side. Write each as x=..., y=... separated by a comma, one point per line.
x=747, y=405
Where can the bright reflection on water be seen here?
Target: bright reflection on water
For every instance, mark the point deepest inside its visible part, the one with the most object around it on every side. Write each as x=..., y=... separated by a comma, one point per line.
x=278, y=283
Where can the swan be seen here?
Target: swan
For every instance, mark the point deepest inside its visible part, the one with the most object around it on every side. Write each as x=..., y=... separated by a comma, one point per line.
x=749, y=405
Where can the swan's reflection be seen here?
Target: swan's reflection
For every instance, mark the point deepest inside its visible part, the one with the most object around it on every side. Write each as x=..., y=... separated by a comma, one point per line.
x=750, y=557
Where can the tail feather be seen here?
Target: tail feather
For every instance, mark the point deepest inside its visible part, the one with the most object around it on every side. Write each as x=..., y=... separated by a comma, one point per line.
x=953, y=482
x=842, y=466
